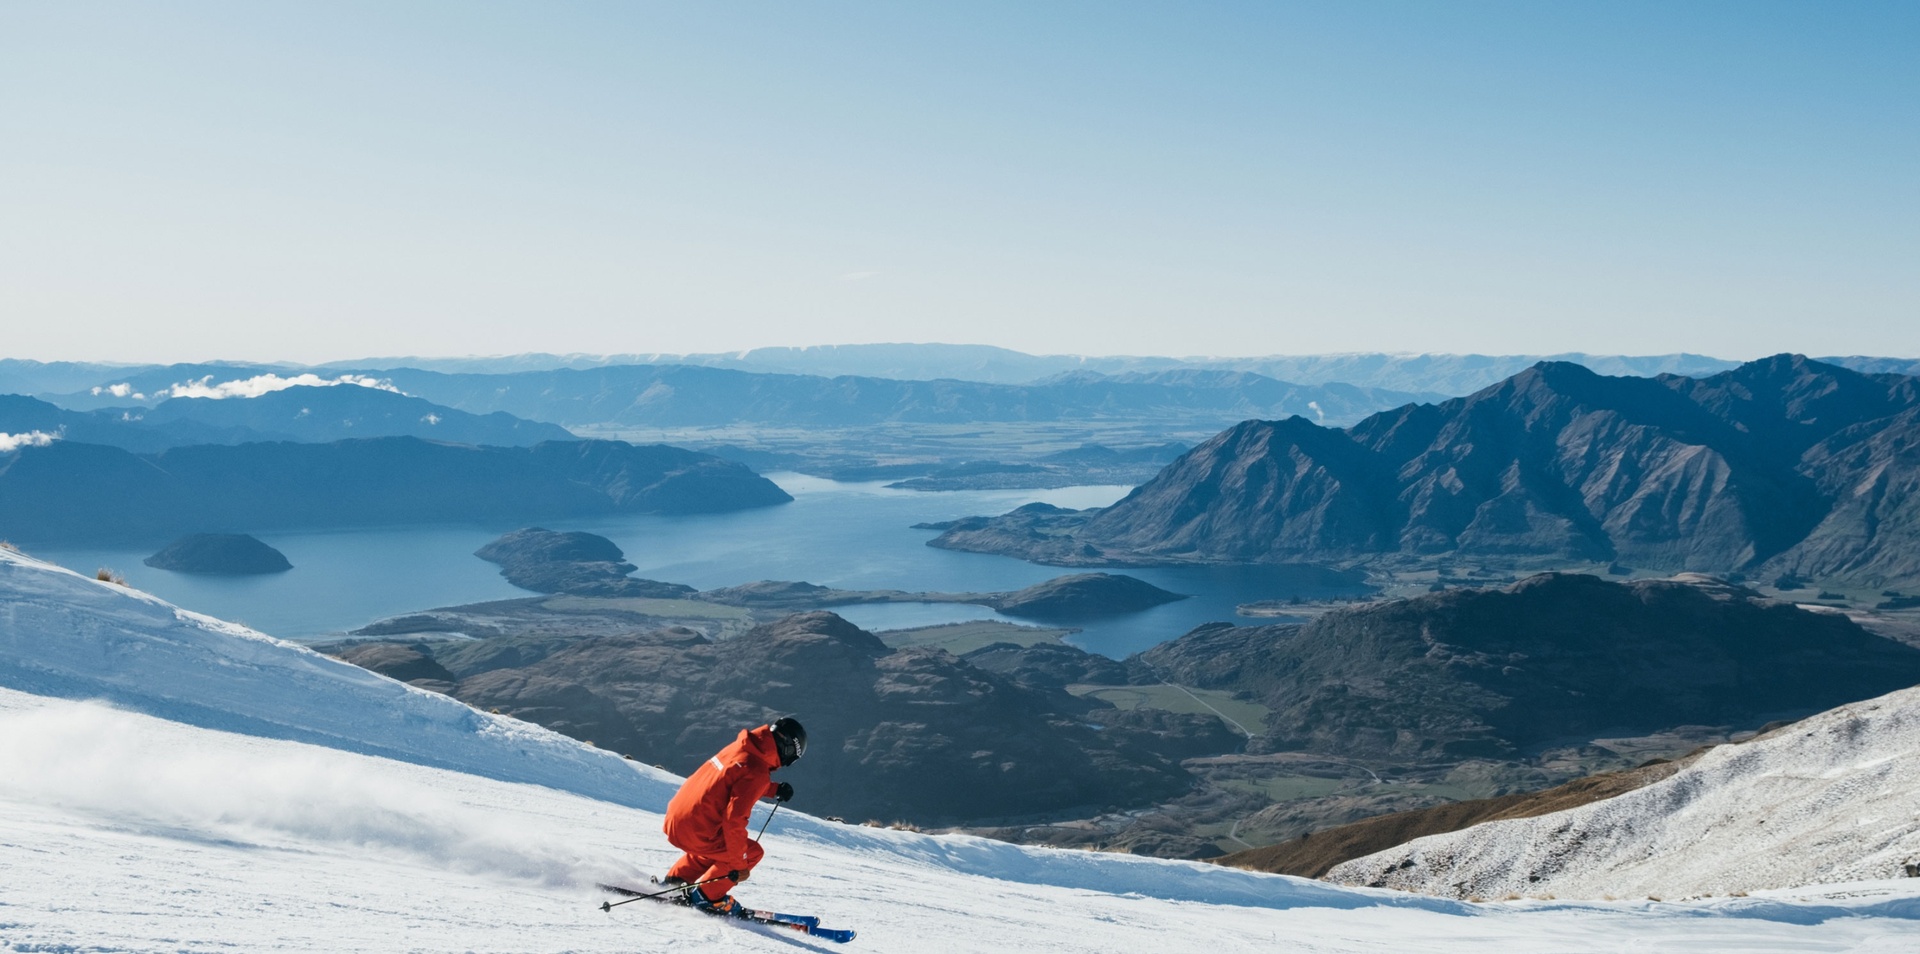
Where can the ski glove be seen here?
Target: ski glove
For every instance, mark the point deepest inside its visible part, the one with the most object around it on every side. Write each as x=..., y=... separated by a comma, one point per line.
x=784, y=793
x=737, y=876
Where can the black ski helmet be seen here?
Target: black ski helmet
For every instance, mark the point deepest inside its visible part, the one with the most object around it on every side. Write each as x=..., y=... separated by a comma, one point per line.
x=790, y=738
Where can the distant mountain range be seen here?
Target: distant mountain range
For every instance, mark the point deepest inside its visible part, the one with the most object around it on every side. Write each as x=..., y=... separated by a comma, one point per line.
x=1426, y=374
x=319, y=414
x=849, y=385
x=1781, y=465
x=682, y=396
x=70, y=492
x=307, y=414
x=1446, y=374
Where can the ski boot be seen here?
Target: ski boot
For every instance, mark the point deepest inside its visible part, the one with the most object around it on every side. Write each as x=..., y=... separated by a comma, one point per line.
x=726, y=906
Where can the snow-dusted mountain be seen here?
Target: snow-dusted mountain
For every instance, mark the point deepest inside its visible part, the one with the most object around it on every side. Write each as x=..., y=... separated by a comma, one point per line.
x=171, y=782
x=1835, y=797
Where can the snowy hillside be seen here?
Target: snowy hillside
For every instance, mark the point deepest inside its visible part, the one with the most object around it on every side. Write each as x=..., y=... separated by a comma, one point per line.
x=1832, y=798
x=233, y=792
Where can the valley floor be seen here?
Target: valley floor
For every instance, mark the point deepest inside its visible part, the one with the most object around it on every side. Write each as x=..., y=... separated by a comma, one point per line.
x=124, y=832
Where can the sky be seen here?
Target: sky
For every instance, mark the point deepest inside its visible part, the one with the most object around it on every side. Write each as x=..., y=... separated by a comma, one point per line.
x=322, y=181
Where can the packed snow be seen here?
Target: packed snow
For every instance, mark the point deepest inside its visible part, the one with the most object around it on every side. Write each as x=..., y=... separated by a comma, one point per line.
x=169, y=782
x=1832, y=798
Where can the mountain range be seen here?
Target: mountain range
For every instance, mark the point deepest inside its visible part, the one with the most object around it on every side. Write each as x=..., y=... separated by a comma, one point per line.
x=1440, y=373
x=1436, y=374
x=1555, y=659
x=71, y=492
x=1781, y=465
x=684, y=396
x=306, y=414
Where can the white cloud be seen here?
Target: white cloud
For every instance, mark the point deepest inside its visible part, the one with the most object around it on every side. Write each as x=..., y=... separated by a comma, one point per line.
x=857, y=276
x=13, y=442
x=267, y=383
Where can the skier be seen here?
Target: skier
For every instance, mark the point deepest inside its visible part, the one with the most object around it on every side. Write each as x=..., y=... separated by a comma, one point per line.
x=708, y=817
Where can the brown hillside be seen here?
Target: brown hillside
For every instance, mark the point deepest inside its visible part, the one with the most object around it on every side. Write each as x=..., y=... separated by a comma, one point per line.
x=1311, y=856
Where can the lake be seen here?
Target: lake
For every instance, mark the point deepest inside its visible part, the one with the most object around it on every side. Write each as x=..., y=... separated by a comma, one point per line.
x=847, y=535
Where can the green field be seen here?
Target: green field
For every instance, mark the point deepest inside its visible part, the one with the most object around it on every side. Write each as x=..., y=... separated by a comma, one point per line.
x=1249, y=715
x=960, y=638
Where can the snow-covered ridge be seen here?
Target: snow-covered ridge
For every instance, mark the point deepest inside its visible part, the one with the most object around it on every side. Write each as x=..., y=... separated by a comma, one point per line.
x=171, y=782
x=1835, y=797
x=66, y=635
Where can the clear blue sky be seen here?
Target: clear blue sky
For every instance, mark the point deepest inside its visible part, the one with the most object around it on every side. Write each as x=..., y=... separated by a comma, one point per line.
x=333, y=179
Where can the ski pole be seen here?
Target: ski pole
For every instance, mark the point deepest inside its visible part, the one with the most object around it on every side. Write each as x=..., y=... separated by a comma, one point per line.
x=610, y=905
x=763, y=825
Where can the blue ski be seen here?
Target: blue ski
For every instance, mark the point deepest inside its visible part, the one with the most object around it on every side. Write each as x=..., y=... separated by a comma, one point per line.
x=805, y=923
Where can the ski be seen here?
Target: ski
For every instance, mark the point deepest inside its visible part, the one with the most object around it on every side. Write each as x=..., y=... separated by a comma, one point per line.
x=805, y=923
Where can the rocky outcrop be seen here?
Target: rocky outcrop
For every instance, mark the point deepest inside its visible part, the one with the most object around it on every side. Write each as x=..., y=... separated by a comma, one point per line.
x=1497, y=673
x=575, y=563
x=1784, y=462
x=219, y=554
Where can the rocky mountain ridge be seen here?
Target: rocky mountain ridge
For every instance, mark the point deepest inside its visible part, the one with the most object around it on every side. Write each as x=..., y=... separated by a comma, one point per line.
x=1780, y=465
x=1554, y=659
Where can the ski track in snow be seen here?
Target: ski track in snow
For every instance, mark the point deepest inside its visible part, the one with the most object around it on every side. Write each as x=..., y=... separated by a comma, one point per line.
x=173, y=783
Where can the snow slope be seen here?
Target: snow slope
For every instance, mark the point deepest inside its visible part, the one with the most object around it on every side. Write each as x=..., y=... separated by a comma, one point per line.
x=232, y=792
x=1835, y=797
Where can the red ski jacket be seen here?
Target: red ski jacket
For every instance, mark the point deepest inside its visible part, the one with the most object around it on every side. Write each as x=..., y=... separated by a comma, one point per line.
x=708, y=816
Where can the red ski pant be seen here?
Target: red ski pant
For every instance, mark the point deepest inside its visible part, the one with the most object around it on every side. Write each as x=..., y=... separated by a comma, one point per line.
x=693, y=868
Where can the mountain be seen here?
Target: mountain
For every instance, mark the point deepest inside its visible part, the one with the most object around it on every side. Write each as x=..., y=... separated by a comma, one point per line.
x=1784, y=462
x=24, y=415
x=306, y=414
x=1443, y=374
x=913, y=733
x=320, y=414
x=149, y=384
x=19, y=376
x=1825, y=799
x=72, y=492
x=1554, y=659
x=237, y=792
x=683, y=396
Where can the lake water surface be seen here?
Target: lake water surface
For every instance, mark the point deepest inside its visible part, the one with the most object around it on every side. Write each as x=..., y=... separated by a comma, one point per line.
x=845, y=535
